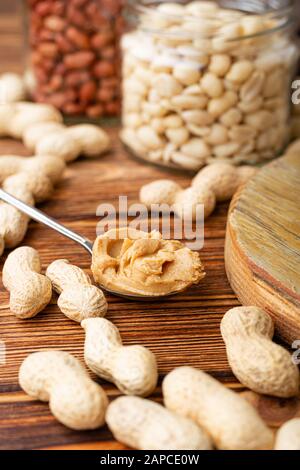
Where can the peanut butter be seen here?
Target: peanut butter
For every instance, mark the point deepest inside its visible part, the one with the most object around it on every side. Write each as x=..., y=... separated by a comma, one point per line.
x=139, y=263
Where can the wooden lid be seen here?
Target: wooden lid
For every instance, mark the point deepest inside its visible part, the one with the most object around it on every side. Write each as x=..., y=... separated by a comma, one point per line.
x=262, y=249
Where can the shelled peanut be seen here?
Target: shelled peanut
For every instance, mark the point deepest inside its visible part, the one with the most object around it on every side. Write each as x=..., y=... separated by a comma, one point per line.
x=197, y=89
x=74, y=54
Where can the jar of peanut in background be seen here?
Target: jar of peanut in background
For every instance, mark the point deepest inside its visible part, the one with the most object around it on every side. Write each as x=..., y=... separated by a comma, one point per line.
x=73, y=57
x=206, y=81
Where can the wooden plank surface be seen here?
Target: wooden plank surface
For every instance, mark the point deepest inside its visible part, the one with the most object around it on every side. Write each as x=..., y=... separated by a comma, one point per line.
x=188, y=324
x=180, y=330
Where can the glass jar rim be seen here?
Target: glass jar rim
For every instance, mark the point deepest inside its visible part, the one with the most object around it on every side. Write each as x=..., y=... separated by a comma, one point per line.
x=281, y=14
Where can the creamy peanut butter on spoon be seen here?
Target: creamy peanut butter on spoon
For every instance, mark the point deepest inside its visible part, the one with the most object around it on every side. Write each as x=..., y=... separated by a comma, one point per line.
x=133, y=262
x=127, y=262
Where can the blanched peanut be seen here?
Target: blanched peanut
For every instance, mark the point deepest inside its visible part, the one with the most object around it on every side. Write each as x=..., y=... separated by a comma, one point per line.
x=167, y=86
x=149, y=138
x=132, y=120
x=199, y=131
x=144, y=75
x=196, y=148
x=178, y=136
x=212, y=85
x=186, y=101
x=218, y=106
x=219, y=64
x=218, y=135
x=173, y=121
x=226, y=150
x=187, y=75
x=200, y=118
x=157, y=125
x=133, y=85
x=186, y=161
x=154, y=109
x=240, y=71
x=232, y=117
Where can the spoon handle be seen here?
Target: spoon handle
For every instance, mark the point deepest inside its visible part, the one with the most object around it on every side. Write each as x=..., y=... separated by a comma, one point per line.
x=39, y=216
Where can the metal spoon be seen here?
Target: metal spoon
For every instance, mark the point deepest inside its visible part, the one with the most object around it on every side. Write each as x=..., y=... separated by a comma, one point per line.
x=41, y=217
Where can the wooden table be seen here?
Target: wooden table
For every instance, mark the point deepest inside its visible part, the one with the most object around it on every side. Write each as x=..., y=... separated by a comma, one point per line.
x=181, y=330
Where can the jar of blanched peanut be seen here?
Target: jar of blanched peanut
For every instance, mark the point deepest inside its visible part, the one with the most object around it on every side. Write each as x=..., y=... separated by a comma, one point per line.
x=204, y=82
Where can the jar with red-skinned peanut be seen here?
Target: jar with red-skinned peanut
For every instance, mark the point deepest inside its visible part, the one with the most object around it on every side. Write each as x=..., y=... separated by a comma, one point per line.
x=73, y=55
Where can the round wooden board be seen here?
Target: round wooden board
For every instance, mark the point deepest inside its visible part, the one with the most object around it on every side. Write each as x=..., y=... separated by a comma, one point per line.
x=262, y=249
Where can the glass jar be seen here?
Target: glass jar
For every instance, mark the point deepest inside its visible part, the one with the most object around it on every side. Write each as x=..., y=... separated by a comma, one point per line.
x=74, y=59
x=204, y=82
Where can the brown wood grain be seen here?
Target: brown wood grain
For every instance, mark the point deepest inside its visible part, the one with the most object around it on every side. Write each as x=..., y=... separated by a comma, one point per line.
x=180, y=330
x=263, y=244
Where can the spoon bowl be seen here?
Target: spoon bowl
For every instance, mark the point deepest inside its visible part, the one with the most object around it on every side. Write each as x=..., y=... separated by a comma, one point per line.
x=87, y=244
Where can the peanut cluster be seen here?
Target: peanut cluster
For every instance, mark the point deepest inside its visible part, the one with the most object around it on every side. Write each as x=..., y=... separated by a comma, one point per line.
x=197, y=88
x=74, y=55
x=216, y=183
x=32, y=179
x=41, y=128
